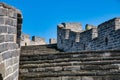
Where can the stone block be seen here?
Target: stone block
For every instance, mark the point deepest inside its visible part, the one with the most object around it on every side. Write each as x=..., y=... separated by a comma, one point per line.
x=14, y=23
x=3, y=29
x=3, y=12
x=10, y=13
x=16, y=53
x=2, y=69
x=7, y=55
x=2, y=38
x=9, y=21
x=23, y=70
x=15, y=74
x=87, y=78
x=12, y=30
x=3, y=47
x=15, y=60
x=72, y=68
x=9, y=78
x=1, y=59
x=15, y=15
x=12, y=46
x=2, y=20
x=9, y=38
x=8, y=63
x=8, y=71
x=71, y=78
x=15, y=67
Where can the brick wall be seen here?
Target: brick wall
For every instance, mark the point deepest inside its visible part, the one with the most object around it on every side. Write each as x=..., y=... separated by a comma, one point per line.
x=10, y=31
x=105, y=37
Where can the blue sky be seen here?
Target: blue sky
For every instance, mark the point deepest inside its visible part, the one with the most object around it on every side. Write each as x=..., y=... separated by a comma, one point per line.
x=40, y=17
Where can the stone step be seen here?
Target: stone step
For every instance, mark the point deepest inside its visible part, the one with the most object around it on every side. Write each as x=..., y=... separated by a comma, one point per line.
x=68, y=55
x=57, y=74
x=38, y=52
x=37, y=64
x=44, y=49
x=39, y=49
x=43, y=78
x=71, y=68
x=82, y=59
x=69, y=73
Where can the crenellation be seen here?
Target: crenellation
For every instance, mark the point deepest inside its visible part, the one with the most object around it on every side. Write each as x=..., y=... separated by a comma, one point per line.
x=77, y=39
x=76, y=27
x=53, y=41
x=89, y=26
x=26, y=41
x=106, y=36
x=67, y=31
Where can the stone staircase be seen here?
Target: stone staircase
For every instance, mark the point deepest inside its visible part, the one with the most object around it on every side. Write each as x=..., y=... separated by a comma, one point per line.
x=56, y=65
x=39, y=49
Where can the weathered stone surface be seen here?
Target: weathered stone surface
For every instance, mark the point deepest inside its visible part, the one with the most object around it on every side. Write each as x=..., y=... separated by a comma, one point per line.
x=8, y=71
x=26, y=41
x=3, y=29
x=9, y=49
x=3, y=11
x=7, y=55
x=11, y=30
x=2, y=69
x=2, y=38
x=3, y=47
x=105, y=37
x=89, y=65
x=9, y=38
x=2, y=20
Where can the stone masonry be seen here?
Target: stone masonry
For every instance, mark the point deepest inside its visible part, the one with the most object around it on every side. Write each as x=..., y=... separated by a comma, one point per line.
x=52, y=41
x=26, y=41
x=70, y=36
x=10, y=32
x=45, y=63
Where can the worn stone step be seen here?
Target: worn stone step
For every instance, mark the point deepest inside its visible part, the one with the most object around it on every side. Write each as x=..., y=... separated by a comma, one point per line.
x=39, y=47
x=68, y=59
x=52, y=50
x=65, y=55
x=42, y=52
x=44, y=78
x=69, y=73
x=37, y=64
x=57, y=74
x=71, y=68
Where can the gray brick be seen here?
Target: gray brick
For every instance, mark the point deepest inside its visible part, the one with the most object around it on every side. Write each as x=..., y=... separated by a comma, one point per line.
x=12, y=30
x=3, y=12
x=2, y=38
x=2, y=20
x=9, y=38
x=3, y=29
x=7, y=55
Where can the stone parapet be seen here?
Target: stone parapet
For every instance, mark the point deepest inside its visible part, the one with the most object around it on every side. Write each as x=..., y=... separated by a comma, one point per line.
x=105, y=37
x=9, y=42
